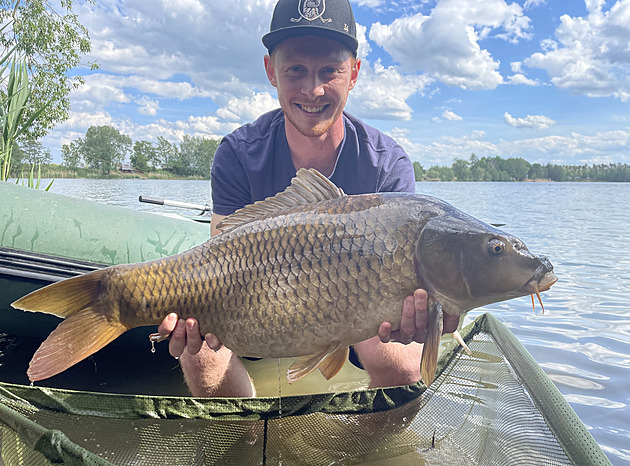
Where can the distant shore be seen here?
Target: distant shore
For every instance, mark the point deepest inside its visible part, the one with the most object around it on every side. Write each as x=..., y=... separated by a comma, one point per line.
x=59, y=171
x=51, y=171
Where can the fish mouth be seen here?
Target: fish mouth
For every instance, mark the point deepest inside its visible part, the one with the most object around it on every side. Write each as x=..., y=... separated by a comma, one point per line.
x=545, y=282
x=536, y=286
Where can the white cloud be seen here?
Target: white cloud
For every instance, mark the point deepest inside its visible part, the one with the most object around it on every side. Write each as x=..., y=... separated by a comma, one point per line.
x=445, y=44
x=95, y=93
x=248, y=108
x=370, y=3
x=148, y=106
x=590, y=55
x=449, y=115
x=211, y=42
x=529, y=122
x=381, y=93
x=529, y=4
x=447, y=148
x=401, y=136
x=520, y=78
x=83, y=120
x=573, y=148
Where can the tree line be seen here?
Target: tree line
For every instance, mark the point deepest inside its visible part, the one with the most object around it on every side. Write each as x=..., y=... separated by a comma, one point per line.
x=105, y=148
x=518, y=169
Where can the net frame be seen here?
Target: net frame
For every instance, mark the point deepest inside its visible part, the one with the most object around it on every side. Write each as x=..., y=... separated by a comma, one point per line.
x=461, y=418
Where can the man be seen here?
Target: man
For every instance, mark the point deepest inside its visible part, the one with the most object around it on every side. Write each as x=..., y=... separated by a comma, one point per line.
x=312, y=63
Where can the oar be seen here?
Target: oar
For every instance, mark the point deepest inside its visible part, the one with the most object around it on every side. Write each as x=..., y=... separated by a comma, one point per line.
x=182, y=205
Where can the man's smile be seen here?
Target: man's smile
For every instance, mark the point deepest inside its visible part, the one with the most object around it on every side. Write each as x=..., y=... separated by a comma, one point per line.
x=310, y=109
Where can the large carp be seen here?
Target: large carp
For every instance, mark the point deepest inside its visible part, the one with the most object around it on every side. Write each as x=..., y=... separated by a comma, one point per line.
x=305, y=273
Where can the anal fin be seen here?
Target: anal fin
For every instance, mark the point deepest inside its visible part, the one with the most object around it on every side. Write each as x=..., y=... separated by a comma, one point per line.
x=329, y=362
x=77, y=337
x=428, y=364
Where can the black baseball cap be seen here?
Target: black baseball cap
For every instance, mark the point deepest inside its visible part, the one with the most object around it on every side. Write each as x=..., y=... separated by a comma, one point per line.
x=326, y=18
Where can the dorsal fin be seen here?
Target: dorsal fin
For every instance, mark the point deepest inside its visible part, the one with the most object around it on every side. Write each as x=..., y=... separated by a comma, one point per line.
x=307, y=187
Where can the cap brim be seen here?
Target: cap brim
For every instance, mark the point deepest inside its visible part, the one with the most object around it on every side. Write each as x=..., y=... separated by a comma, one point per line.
x=272, y=39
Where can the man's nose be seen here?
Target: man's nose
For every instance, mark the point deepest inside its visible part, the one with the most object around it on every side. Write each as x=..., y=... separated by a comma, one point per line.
x=313, y=86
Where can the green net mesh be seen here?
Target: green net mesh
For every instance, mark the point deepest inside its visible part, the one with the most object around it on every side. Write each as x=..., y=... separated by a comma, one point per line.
x=493, y=407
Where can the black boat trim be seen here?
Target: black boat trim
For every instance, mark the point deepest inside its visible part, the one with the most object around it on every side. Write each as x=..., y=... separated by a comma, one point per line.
x=43, y=267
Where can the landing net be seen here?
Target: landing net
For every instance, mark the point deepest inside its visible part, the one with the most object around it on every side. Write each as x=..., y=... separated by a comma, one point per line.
x=494, y=407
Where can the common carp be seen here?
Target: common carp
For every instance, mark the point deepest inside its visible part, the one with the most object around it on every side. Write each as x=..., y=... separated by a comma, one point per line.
x=305, y=273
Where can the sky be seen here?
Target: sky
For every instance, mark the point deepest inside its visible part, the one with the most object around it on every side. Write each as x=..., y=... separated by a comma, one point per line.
x=545, y=80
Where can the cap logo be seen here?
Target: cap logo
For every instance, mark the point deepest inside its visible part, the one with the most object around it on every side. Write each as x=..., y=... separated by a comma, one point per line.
x=310, y=10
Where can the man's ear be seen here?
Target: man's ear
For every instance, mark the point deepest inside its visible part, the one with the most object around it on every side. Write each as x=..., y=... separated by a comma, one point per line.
x=271, y=71
x=355, y=72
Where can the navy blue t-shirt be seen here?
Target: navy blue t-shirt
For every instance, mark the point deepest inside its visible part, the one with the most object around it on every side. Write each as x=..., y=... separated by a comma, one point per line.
x=254, y=162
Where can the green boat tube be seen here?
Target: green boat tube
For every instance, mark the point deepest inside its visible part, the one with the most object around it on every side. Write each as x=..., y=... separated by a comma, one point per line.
x=46, y=237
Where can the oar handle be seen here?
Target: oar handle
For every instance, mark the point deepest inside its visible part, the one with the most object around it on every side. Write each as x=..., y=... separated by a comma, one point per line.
x=167, y=202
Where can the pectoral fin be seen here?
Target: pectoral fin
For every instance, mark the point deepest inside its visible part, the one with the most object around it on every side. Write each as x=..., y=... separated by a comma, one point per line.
x=461, y=341
x=329, y=362
x=428, y=363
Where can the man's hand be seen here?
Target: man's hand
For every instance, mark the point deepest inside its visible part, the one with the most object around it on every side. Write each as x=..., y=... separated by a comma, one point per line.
x=184, y=335
x=414, y=323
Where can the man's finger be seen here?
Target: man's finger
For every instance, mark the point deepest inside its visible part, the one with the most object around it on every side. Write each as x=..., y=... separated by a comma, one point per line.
x=384, y=332
x=408, y=321
x=178, y=339
x=168, y=325
x=193, y=337
x=213, y=342
x=420, y=306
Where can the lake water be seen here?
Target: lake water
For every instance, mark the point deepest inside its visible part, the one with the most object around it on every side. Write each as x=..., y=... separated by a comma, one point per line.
x=582, y=341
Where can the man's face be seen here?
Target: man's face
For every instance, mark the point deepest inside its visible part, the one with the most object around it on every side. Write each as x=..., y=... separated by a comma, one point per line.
x=313, y=76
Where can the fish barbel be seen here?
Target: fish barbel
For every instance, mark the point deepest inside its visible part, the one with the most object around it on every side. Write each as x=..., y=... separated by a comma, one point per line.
x=304, y=274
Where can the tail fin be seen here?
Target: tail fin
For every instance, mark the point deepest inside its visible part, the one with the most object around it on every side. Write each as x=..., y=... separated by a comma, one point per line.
x=63, y=298
x=428, y=364
x=85, y=330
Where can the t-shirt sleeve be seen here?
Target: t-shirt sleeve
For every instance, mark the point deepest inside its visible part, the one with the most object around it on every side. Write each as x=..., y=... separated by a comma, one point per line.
x=229, y=181
x=397, y=174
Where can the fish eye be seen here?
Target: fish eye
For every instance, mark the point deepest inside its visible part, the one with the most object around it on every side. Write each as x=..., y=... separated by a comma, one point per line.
x=496, y=246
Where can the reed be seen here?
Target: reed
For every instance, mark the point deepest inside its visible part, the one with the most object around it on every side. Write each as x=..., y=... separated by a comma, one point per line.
x=14, y=74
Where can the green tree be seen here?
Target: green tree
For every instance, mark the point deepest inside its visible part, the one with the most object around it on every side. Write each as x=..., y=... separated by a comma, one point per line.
x=147, y=151
x=495, y=169
x=537, y=171
x=440, y=173
x=104, y=147
x=51, y=41
x=516, y=168
x=194, y=157
x=167, y=153
x=461, y=169
x=34, y=153
x=418, y=171
x=478, y=173
x=71, y=155
x=141, y=154
x=555, y=172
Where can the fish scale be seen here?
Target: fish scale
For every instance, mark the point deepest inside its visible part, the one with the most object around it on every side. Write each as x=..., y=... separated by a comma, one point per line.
x=288, y=298
x=305, y=274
